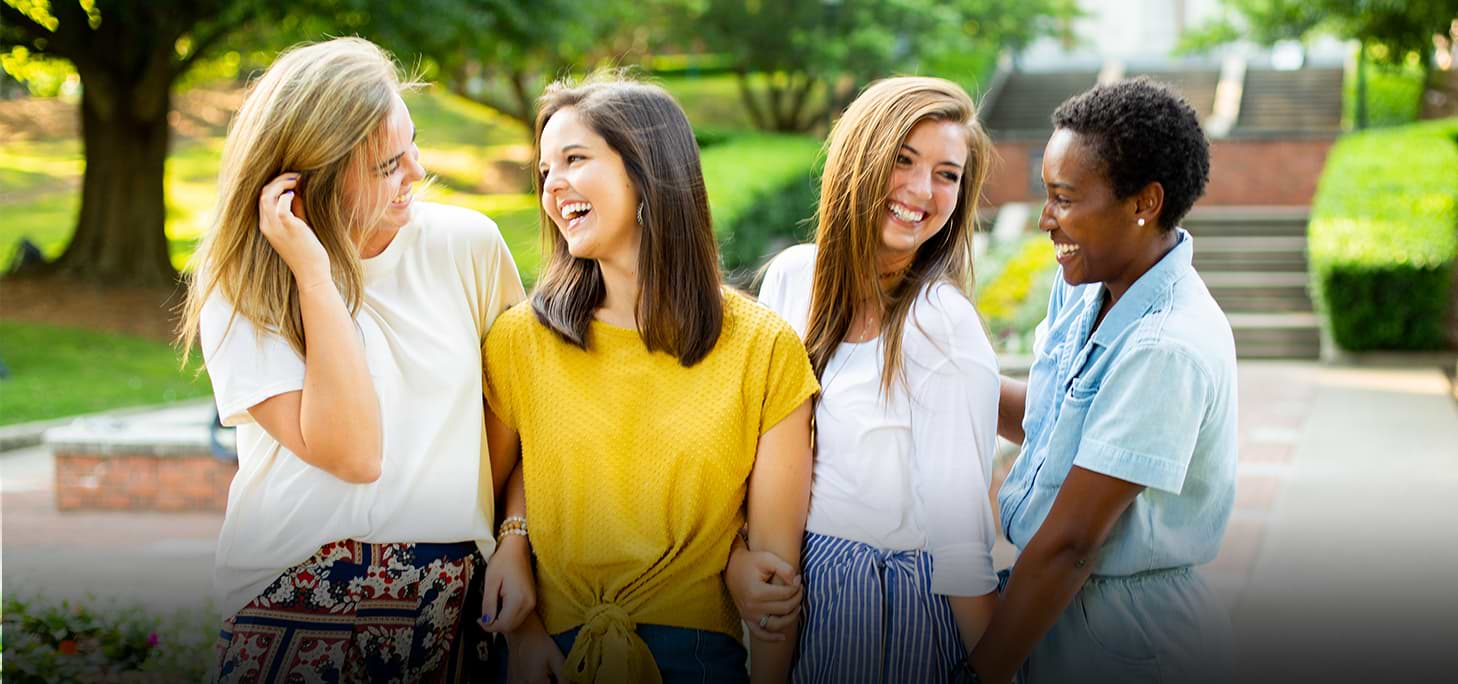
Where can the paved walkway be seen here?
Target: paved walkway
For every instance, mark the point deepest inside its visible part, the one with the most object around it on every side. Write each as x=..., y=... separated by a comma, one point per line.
x=1339, y=562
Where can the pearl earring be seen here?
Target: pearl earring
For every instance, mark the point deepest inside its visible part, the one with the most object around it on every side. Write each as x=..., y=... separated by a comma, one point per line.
x=1141, y=222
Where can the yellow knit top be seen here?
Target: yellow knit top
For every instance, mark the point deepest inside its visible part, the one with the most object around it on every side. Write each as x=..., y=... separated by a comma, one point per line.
x=636, y=471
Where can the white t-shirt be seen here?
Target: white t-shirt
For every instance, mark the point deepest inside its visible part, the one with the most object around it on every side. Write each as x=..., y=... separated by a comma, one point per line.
x=429, y=299
x=910, y=471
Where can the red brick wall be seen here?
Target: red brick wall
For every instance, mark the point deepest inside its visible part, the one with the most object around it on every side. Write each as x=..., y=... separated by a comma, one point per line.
x=139, y=482
x=1242, y=172
x=1265, y=172
x=1008, y=181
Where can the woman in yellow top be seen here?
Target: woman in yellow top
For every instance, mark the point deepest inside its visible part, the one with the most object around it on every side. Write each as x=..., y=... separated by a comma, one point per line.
x=653, y=409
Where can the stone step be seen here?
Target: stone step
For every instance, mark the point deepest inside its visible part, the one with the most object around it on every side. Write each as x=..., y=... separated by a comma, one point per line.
x=1276, y=335
x=1258, y=303
x=1255, y=281
x=1215, y=222
x=1274, y=292
x=1250, y=253
x=1256, y=261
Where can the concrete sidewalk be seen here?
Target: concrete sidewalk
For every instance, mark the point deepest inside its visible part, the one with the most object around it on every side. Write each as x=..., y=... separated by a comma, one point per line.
x=1353, y=573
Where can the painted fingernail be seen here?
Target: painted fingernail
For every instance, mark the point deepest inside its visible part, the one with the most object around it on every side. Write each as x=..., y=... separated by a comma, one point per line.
x=485, y=619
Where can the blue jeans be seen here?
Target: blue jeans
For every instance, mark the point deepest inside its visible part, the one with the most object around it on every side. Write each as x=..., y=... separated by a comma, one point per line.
x=683, y=655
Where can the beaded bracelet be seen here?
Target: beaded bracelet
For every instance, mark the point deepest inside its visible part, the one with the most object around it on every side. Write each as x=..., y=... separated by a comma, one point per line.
x=515, y=524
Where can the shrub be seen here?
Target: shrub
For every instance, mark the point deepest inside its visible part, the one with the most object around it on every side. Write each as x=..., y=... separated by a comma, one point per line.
x=70, y=641
x=1012, y=299
x=1394, y=93
x=762, y=189
x=773, y=220
x=1384, y=235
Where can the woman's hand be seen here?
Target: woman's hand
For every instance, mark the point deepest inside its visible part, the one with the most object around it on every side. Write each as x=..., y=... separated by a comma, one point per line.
x=510, y=592
x=532, y=654
x=293, y=239
x=766, y=591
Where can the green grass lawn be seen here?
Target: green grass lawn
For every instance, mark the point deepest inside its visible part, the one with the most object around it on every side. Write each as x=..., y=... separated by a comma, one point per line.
x=56, y=371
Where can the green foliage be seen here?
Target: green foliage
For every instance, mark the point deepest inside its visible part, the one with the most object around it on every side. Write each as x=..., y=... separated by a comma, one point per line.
x=72, y=641
x=1384, y=235
x=1400, y=26
x=736, y=172
x=58, y=371
x=1394, y=91
x=43, y=76
x=1012, y=290
x=689, y=65
x=804, y=48
x=772, y=220
x=498, y=52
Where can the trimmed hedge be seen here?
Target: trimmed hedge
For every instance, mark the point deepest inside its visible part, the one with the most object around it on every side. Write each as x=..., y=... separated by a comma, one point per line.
x=762, y=189
x=775, y=219
x=1383, y=237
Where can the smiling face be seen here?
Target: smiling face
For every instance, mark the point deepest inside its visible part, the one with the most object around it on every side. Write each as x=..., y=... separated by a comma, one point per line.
x=586, y=191
x=1093, y=231
x=924, y=189
x=389, y=181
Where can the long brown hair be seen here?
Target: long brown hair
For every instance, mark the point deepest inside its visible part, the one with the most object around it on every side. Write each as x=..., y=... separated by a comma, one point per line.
x=680, y=309
x=319, y=110
x=859, y=160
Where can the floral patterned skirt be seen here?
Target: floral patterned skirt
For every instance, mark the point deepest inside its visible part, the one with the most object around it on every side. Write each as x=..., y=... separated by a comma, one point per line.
x=357, y=612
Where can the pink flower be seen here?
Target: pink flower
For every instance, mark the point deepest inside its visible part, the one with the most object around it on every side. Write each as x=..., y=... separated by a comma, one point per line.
x=152, y=639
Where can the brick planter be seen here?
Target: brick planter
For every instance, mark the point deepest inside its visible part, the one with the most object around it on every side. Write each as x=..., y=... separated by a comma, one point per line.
x=127, y=466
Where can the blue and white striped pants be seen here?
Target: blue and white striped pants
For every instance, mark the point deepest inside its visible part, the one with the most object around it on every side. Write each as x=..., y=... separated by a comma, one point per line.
x=870, y=616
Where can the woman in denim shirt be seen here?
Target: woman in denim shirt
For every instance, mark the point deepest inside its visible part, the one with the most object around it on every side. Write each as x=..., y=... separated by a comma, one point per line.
x=1128, y=417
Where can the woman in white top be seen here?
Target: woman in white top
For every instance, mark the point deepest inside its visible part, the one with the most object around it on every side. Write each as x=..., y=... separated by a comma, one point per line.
x=897, y=561
x=341, y=323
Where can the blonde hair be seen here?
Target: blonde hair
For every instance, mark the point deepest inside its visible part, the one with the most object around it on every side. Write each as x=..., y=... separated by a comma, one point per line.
x=860, y=157
x=320, y=110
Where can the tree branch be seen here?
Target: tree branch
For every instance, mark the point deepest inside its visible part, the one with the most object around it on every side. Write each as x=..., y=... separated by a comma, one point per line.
x=523, y=111
x=746, y=96
x=797, y=104
x=73, y=31
x=201, y=45
x=17, y=19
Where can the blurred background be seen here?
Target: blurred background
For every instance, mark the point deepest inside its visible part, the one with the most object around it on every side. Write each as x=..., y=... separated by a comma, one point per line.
x=1328, y=233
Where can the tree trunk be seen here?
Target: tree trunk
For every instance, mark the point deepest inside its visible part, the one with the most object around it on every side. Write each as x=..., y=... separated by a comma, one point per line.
x=1361, y=113
x=120, y=236
x=748, y=99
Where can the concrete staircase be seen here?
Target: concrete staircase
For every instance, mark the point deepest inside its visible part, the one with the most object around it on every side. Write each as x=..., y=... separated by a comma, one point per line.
x=1254, y=261
x=1308, y=100
x=1023, y=106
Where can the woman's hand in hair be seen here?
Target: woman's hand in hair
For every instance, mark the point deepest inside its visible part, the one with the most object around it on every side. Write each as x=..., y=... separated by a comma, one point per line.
x=293, y=239
x=764, y=587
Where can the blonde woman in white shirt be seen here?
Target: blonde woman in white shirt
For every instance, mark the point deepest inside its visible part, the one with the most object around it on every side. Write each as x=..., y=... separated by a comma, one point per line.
x=341, y=322
x=898, y=576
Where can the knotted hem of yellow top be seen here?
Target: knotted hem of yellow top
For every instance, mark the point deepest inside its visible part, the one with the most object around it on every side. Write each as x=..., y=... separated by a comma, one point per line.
x=608, y=649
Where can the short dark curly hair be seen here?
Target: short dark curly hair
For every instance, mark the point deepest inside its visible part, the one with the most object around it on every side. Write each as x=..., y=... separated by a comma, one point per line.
x=1143, y=132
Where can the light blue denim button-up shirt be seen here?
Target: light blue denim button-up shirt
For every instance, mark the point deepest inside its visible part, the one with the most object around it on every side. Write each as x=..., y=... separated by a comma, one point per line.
x=1148, y=398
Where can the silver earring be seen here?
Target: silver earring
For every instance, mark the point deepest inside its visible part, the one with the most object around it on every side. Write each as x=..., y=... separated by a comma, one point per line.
x=1141, y=222
x=640, y=214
